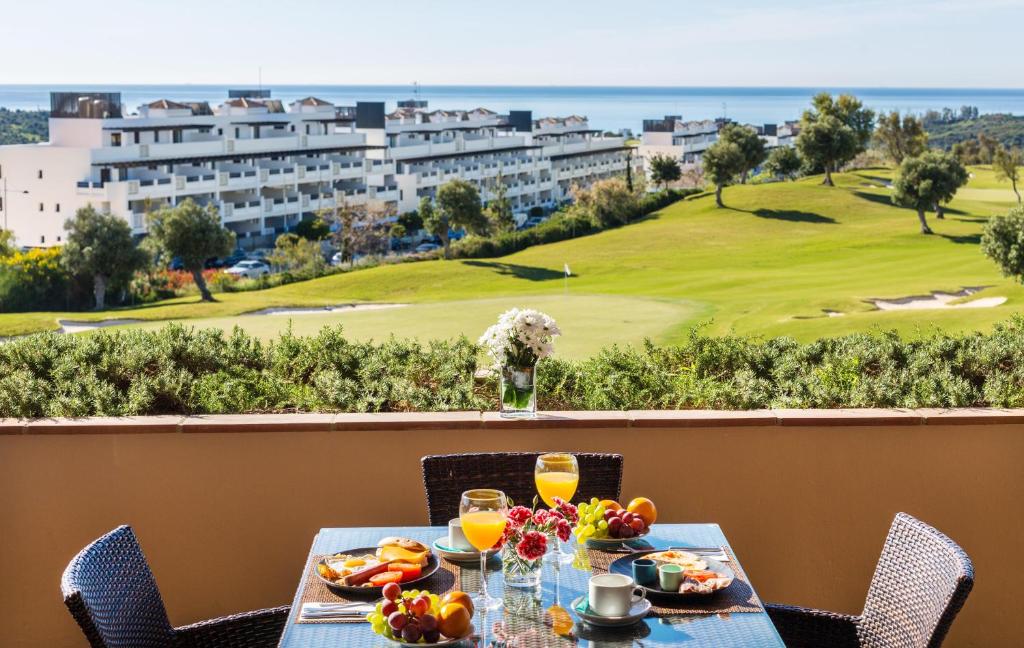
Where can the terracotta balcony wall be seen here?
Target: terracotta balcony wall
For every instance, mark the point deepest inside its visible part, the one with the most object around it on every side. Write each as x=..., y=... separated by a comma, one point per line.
x=226, y=506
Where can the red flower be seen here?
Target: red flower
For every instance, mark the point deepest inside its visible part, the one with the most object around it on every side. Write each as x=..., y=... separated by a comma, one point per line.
x=533, y=545
x=567, y=509
x=541, y=517
x=518, y=516
x=563, y=530
x=506, y=534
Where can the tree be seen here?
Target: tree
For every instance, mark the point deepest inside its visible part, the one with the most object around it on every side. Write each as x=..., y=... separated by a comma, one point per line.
x=499, y=208
x=722, y=162
x=313, y=229
x=834, y=131
x=784, y=162
x=608, y=202
x=192, y=234
x=458, y=202
x=100, y=248
x=664, y=169
x=7, y=247
x=435, y=221
x=1006, y=163
x=926, y=181
x=295, y=253
x=1002, y=240
x=900, y=137
x=750, y=145
x=361, y=230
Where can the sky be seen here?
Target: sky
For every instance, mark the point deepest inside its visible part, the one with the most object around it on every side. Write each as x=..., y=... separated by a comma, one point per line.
x=852, y=43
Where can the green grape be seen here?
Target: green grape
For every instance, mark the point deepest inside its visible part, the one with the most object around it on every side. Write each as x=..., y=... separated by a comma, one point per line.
x=589, y=529
x=379, y=605
x=594, y=501
x=582, y=509
x=602, y=525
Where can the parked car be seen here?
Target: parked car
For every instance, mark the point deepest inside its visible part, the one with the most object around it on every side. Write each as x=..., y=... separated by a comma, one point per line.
x=337, y=259
x=233, y=258
x=249, y=268
x=426, y=247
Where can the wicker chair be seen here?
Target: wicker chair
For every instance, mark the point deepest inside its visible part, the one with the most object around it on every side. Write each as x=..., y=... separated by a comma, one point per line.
x=111, y=593
x=446, y=477
x=919, y=586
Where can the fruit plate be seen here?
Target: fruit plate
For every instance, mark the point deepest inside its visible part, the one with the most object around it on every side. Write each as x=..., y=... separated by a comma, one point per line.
x=444, y=642
x=432, y=566
x=454, y=555
x=624, y=566
x=605, y=543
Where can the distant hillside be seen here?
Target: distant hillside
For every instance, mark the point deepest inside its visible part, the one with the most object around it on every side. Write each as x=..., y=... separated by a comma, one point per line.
x=1008, y=129
x=23, y=126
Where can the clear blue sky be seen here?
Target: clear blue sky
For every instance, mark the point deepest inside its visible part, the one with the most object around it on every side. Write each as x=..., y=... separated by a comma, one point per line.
x=923, y=43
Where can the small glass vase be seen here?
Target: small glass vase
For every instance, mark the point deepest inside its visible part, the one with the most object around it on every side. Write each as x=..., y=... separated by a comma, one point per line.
x=518, y=572
x=518, y=392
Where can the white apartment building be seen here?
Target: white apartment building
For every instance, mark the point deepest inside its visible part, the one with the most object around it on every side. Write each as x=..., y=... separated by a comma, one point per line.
x=266, y=166
x=263, y=165
x=686, y=141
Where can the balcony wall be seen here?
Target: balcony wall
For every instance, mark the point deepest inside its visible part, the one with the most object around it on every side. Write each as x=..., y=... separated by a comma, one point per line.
x=804, y=496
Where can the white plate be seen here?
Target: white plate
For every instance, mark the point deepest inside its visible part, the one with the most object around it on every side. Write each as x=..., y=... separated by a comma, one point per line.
x=454, y=555
x=637, y=612
x=443, y=642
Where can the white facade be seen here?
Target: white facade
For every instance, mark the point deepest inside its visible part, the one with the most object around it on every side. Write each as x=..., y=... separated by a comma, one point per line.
x=266, y=166
x=686, y=141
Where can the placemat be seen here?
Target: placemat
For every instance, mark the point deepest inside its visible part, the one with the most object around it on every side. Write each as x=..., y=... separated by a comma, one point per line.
x=445, y=579
x=738, y=597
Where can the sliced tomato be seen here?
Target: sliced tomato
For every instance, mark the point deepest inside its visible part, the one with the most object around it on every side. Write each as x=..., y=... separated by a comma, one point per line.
x=700, y=575
x=383, y=578
x=409, y=571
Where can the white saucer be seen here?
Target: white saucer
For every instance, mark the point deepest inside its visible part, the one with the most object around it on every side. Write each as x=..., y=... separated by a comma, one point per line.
x=454, y=555
x=636, y=613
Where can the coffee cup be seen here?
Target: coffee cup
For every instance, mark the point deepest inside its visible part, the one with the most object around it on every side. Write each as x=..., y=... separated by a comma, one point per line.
x=612, y=595
x=456, y=537
x=645, y=571
x=670, y=577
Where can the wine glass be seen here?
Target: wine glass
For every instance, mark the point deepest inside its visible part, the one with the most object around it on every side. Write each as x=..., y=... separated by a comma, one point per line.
x=557, y=474
x=483, y=513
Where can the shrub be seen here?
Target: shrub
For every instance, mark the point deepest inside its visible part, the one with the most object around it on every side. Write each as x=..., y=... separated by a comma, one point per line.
x=182, y=370
x=35, y=280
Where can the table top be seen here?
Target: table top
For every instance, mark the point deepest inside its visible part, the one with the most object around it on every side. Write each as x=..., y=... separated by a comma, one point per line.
x=521, y=622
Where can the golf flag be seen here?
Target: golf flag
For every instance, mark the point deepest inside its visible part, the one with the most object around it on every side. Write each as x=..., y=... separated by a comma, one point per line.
x=568, y=273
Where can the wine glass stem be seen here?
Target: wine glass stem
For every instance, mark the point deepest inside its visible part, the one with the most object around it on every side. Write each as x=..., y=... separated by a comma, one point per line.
x=483, y=577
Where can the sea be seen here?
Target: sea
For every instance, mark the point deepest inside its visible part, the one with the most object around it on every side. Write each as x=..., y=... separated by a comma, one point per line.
x=608, y=108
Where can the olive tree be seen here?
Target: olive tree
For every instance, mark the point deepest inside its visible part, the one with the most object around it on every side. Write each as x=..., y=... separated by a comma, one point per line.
x=722, y=162
x=499, y=208
x=750, y=144
x=834, y=131
x=900, y=137
x=784, y=162
x=664, y=169
x=100, y=248
x=1006, y=163
x=926, y=181
x=457, y=206
x=193, y=234
x=1002, y=240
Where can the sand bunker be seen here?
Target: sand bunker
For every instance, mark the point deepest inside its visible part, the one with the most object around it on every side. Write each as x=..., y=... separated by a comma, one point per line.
x=937, y=300
x=342, y=308
x=74, y=326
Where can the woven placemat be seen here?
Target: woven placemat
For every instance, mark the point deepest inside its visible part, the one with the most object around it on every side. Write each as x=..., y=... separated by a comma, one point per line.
x=738, y=597
x=445, y=579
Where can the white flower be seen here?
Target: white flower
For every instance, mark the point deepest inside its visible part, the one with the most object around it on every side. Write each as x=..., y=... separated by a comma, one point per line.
x=521, y=337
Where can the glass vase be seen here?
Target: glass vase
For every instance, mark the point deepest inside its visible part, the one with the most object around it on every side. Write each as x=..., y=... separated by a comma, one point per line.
x=519, y=572
x=518, y=391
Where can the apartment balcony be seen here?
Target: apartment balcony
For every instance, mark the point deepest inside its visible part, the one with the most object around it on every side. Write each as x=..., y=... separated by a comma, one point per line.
x=282, y=176
x=235, y=179
x=90, y=188
x=244, y=209
x=804, y=496
x=387, y=193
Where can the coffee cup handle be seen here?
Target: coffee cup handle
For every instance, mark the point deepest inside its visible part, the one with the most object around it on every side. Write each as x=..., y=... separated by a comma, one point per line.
x=642, y=593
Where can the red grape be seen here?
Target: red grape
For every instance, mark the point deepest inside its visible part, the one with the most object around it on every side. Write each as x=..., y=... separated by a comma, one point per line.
x=637, y=524
x=614, y=525
x=392, y=591
x=609, y=514
x=432, y=636
x=626, y=531
x=388, y=608
x=420, y=605
x=411, y=633
x=397, y=621
x=428, y=622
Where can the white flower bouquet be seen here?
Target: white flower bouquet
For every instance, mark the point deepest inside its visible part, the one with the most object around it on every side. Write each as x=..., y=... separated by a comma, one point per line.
x=519, y=339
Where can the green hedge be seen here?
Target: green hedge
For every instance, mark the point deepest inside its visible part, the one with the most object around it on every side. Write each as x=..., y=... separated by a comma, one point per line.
x=183, y=370
x=564, y=224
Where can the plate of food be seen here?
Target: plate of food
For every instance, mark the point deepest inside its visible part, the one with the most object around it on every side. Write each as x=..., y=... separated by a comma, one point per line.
x=606, y=523
x=701, y=576
x=417, y=618
x=366, y=570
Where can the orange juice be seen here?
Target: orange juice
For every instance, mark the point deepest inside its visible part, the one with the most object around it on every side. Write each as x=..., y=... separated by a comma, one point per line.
x=483, y=529
x=556, y=484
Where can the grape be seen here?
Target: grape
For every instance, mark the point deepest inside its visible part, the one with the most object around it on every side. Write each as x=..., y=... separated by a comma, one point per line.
x=389, y=608
x=391, y=591
x=420, y=605
x=397, y=621
x=432, y=636
x=626, y=531
x=428, y=622
x=602, y=525
x=637, y=524
x=411, y=633
x=594, y=501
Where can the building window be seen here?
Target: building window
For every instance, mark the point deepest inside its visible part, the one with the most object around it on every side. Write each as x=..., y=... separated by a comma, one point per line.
x=156, y=137
x=136, y=133
x=115, y=139
x=57, y=207
x=220, y=131
x=40, y=206
x=40, y=174
x=237, y=131
x=58, y=239
x=42, y=239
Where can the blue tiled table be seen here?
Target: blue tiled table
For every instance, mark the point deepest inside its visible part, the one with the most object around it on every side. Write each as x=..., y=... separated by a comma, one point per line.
x=521, y=621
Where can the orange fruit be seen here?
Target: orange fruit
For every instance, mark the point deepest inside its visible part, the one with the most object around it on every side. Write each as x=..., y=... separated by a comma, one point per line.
x=645, y=509
x=611, y=505
x=453, y=620
x=455, y=596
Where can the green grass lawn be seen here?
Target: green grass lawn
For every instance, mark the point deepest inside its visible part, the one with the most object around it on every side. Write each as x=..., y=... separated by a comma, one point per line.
x=769, y=264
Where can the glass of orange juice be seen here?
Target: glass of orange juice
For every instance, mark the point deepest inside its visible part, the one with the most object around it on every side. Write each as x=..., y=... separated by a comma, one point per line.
x=483, y=512
x=557, y=474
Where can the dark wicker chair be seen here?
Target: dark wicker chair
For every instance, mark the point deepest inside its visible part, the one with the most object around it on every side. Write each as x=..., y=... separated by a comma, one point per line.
x=446, y=477
x=919, y=586
x=111, y=593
